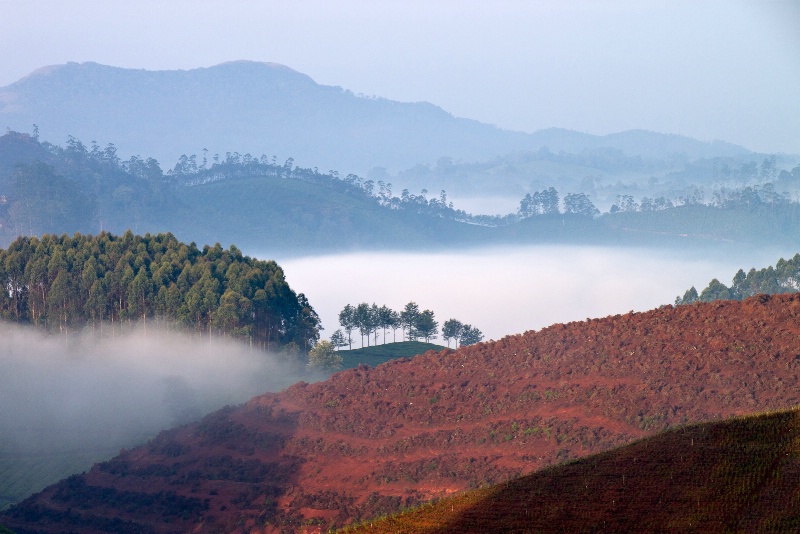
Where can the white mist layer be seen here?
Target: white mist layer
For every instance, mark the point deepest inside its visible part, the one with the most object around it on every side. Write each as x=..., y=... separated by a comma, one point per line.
x=506, y=291
x=90, y=392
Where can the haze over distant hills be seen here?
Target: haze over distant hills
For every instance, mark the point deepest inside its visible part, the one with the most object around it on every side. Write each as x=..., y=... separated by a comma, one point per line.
x=256, y=203
x=266, y=108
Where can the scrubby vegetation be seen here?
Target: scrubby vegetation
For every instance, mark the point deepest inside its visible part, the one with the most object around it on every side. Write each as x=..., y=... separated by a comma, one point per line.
x=739, y=475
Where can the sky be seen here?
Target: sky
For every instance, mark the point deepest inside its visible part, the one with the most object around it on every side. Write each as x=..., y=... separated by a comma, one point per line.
x=723, y=69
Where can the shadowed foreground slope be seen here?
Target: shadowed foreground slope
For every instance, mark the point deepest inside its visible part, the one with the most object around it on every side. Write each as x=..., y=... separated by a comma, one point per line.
x=739, y=475
x=369, y=442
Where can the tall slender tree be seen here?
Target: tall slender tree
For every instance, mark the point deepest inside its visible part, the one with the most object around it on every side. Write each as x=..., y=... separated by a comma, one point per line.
x=452, y=329
x=408, y=320
x=470, y=335
x=385, y=319
x=347, y=319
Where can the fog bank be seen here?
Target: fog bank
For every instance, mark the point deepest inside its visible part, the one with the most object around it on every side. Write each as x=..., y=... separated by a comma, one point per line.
x=66, y=402
x=506, y=291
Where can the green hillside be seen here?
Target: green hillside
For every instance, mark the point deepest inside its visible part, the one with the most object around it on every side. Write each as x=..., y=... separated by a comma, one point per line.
x=378, y=354
x=295, y=214
x=282, y=209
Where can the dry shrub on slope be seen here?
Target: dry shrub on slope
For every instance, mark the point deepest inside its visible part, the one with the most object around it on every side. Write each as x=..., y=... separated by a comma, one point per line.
x=372, y=441
x=740, y=475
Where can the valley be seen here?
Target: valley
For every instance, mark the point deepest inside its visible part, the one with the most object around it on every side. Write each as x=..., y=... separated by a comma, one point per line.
x=309, y=267
x=521, y=288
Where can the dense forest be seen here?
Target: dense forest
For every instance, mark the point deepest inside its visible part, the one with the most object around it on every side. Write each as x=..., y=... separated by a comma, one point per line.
x=783, y=278
x=62, y=283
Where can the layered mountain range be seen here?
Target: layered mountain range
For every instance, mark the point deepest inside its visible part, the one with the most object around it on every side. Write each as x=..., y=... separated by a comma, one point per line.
x=266, y=108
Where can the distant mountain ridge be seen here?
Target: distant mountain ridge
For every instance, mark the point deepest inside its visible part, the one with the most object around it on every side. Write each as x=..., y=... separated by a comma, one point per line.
x=271, y=109
x=264, y=205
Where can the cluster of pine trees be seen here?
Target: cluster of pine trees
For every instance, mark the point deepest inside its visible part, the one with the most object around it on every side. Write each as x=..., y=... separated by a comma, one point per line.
x=415, y=324
x=783, y=278
x=60, y=283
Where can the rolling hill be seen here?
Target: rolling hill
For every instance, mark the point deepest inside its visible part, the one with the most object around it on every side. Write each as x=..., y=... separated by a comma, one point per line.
x=378, y=354
x=739, y=475
x=370, y=441
x=268, y=206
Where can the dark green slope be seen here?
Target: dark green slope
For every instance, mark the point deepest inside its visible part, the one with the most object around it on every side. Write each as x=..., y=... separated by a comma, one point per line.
x=276, y=214
x=738, y=475
x=378, y=354
x=265, y=207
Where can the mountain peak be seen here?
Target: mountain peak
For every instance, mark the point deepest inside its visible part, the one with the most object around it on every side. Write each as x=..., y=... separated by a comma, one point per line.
x=241, y=65
x=269, y=108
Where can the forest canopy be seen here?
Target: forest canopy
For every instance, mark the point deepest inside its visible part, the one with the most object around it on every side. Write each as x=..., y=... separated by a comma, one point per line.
x=61, y=283
x=783, y=278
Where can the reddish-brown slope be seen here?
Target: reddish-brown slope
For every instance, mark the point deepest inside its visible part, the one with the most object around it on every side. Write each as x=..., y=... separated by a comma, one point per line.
x=369, y=441
x=740, y=475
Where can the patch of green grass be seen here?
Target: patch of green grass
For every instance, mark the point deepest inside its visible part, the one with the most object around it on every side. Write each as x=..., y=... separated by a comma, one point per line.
x=378, y=354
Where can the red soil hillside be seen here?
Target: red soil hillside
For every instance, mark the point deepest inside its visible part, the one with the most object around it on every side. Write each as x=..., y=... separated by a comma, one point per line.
x=740, y=475
x=370, y=441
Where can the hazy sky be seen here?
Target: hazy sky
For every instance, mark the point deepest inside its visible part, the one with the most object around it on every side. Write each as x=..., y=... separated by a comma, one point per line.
x=723, y=69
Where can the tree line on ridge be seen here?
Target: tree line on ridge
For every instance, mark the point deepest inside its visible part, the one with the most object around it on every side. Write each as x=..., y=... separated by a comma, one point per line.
x=414, y=323
x=783, y=278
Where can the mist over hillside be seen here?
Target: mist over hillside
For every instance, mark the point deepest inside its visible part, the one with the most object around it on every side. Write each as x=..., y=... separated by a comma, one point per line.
x=270, y=108
x=70, y=401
